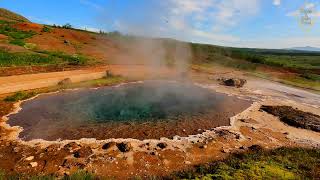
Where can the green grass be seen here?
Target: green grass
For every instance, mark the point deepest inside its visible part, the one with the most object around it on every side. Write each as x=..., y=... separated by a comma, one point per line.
x=81, y=175
x=18, y=96
x=78, y=175
x=282, y=163
x=311, y=76
x=8, y=59
x=302, y=82
x=96, y=82
x=16, y=36
x=293, y=62
x=280, y=58
x=107, y=81
x=71, y=59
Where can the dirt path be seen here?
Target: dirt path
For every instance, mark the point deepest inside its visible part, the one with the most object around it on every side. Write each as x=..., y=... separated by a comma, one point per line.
x=33, y=81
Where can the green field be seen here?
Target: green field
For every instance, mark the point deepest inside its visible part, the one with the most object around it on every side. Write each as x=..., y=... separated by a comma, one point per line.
x=16, y=36
x=9, y=59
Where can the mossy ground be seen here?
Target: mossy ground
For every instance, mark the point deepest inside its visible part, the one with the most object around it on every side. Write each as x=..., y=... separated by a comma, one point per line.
x=282, y=163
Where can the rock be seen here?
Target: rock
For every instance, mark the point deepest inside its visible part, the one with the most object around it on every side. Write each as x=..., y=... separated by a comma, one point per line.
x=30, y=158
x=162, y=145
x=124, y=147
x=225, y=150
x=66, y=41
x=294, y=117
x=65, y=82
x=203, y=146
x=34, y=164
x=72, y=146
x=108, y=145
x=255, y=147
x=108, y=74
x=83, y=152
x=234, y=82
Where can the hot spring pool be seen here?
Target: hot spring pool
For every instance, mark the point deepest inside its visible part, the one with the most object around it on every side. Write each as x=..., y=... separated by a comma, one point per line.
x=151, y=109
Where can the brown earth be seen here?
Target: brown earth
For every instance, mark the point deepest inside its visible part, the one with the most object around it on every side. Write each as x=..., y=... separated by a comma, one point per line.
x=146, y=158
x=294, y=117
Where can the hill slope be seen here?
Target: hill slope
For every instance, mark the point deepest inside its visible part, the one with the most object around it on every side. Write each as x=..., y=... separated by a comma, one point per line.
x=55, y=48
x=11, y=16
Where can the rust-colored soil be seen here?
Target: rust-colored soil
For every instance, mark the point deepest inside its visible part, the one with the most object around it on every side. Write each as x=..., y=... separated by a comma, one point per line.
x=147, y=158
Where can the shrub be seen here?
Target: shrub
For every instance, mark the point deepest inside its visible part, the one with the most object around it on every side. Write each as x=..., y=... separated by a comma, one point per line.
x=16, y=36
x=311, y=76
x=18, y=96
x=30, y=46
x=67, y=26
x=80, y=175
x=46, y=29
x=8, y=59
x=18, y=42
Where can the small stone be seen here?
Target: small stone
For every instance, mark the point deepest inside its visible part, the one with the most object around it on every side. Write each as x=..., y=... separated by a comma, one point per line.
x=30, y=158
x=64, y=82
x=124, y=147
x=34, y=164
x=153, y=153
x=225, y=150
x=162, y=145
x=108, y=145
x=187, y=162
x=242, y=120
x=255, y=147
x=203, y=146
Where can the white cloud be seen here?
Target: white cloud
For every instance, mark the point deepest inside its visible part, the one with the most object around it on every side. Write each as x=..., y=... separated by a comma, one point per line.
x=277, y=2
x=213, y=37
x=192, y=20
x=206, y=19
x=92, y=4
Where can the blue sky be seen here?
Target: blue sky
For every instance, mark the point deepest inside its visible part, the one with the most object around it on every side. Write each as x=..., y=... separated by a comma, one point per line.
x=240, y=23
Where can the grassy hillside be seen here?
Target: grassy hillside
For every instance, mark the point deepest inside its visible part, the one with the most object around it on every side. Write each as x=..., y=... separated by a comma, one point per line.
x=8, y=15
x=40, y=45
x=298, y=68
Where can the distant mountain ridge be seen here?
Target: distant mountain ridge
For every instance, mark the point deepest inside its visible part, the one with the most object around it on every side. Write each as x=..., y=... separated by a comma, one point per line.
x=306, y=48
x=9, y=15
